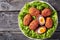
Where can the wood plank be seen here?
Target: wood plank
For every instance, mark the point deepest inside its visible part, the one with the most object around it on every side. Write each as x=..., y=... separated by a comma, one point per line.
x=56, y=35
x=9, y=21
x=54, y=3
x=20, y=36
x=11, y=5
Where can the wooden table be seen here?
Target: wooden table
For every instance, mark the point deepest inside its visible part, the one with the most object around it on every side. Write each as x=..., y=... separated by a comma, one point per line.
x=9, y=10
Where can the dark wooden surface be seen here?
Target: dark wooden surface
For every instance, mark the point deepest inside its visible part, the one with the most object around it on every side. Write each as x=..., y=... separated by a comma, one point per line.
x=9, y=10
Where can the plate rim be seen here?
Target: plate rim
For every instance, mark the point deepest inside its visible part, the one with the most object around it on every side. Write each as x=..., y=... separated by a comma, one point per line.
x=50, y=7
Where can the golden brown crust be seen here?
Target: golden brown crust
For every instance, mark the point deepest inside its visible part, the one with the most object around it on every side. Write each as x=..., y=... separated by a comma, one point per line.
x=49, y=22
x=46, y=12
x=33, y=25
x=27, y=19
x=34, y=12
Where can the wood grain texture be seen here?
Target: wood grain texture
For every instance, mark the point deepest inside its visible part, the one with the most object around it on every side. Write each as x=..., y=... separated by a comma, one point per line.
x=20, y=36
x=9, y=29
x=13, y=5
x=9, y=21
x=9, y=26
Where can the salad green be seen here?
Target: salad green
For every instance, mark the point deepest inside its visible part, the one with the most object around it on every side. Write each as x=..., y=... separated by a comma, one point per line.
x=30, y=33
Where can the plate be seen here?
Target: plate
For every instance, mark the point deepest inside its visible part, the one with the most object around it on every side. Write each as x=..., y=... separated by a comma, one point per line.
x=30, y=33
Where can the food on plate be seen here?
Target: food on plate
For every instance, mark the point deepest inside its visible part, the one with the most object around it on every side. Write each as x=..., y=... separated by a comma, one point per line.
x=41, y=30
x=46, y=12
x=34, y=12
x=27, y=19
x=49, y=22
x=41, y=20
x=38, y=20
x=33, y=25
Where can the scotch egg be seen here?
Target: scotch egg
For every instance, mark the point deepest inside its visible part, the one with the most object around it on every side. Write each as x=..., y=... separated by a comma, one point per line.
x=41, y=30
x=41, y=20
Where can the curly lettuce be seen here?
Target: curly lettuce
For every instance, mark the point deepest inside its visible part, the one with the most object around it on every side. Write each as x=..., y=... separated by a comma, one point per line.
x=30, y=33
